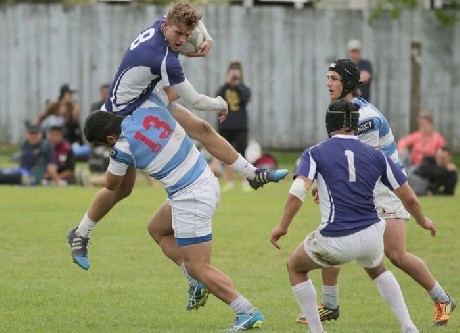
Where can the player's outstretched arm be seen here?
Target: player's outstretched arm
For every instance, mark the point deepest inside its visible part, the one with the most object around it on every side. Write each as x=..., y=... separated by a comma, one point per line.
x=201, y=102
x=411, y=203
x=294, y=201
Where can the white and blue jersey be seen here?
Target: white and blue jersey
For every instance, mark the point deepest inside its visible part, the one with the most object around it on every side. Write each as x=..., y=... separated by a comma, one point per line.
x=374, y=130
x=347, y=172
x=148, y=60
x=151, y=140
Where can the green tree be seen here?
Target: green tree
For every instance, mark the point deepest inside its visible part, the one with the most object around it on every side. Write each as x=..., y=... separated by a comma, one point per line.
x=445, y=18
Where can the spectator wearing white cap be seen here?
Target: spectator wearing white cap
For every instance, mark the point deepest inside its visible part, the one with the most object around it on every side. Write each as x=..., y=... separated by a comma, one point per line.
x=365, y=67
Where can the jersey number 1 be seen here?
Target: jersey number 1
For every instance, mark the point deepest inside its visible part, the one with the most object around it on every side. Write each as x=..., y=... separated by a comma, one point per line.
x=351, y=165
x=158, y=124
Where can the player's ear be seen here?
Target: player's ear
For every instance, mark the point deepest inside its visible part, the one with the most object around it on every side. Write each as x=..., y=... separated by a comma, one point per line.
x=111, y=139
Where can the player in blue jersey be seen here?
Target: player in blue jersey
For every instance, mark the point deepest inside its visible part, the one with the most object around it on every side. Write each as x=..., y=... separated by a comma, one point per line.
x=152, y=140
x=373, y=129
x=347, y=172
x=150, y=58
x=153, y=57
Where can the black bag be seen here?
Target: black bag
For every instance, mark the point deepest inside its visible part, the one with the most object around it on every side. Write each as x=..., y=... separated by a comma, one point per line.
x=98, y=159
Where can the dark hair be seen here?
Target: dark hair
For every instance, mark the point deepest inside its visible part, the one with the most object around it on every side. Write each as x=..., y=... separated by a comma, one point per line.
x=105, y=86
x=236, y=65
x=446, y=149
x=342, y=114
x=100, y=124
x=56, y=128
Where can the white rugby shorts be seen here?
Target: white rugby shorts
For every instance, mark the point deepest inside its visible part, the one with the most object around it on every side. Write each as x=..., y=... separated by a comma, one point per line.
x=193, y=208
x=365, y=247
x=388, y=204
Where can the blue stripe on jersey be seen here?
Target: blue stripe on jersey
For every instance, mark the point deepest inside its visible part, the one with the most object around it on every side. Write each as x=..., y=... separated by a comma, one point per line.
x=122, y=157
x=389, y=149
x=194, y=240
x=360, y=101
x=189, y=177
x=375, y=121
x=177, y=159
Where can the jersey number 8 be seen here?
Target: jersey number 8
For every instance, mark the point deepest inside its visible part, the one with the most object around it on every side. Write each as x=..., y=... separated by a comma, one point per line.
x=143, y=36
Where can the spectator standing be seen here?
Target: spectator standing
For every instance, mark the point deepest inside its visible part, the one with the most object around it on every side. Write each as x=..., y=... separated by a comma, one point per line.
x=365, y=67
x=104, y=93
x=423, y=142
x=235, y=128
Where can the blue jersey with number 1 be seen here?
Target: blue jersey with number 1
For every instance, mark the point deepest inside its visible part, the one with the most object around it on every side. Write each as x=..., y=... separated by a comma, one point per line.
x=347, y=172
x=148, y=60
x=152, y=140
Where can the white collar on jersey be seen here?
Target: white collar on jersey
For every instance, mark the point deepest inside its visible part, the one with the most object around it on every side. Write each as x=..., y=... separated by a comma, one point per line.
x=345, y=136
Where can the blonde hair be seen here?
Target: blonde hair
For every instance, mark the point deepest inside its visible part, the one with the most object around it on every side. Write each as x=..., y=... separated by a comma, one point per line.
x=183, y=14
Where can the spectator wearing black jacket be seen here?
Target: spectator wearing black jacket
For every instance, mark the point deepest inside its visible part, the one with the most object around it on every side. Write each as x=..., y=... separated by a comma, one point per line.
x=440, y=172
x=235, y=128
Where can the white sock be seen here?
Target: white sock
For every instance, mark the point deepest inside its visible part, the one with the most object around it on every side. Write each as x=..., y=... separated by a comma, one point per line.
x=391, y=292
x=438, y=294
x=191, y=281
x=244, y=168
x=330, y=296
x=86, y=225
x=241, y=305
x=305, y=294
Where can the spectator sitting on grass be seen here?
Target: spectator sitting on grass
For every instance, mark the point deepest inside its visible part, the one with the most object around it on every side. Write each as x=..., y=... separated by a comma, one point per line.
x=438, y=172
x=37, y=157
x=423, y=142
x=63, y=156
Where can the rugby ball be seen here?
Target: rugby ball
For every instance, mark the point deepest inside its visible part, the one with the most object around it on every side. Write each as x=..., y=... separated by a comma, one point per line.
x=193, y=43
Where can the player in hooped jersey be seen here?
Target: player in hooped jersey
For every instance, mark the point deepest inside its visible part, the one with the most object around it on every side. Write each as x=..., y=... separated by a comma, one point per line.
x=347, y=172
x=156, y=140
x=373, y=129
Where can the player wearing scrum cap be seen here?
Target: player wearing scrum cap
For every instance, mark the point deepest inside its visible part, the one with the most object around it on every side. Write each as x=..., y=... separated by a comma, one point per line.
x=347, y=172
x=373, y=129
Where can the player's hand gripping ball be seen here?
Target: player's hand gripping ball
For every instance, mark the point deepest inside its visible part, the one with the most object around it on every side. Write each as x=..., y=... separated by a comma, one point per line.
x=193, y=43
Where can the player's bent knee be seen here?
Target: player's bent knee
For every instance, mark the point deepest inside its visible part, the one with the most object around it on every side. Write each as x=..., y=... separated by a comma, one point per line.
x=123, y=193
x=396, y=256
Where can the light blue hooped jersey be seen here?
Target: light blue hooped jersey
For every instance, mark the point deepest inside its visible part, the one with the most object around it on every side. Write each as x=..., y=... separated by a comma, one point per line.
x=374, y=130
x=151, y=140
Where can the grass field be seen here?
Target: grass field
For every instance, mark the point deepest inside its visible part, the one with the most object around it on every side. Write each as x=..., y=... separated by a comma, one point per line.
x=131, y=287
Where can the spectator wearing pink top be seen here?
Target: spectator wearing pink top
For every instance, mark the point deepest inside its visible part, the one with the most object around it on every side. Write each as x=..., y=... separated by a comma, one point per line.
x=424, y=142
